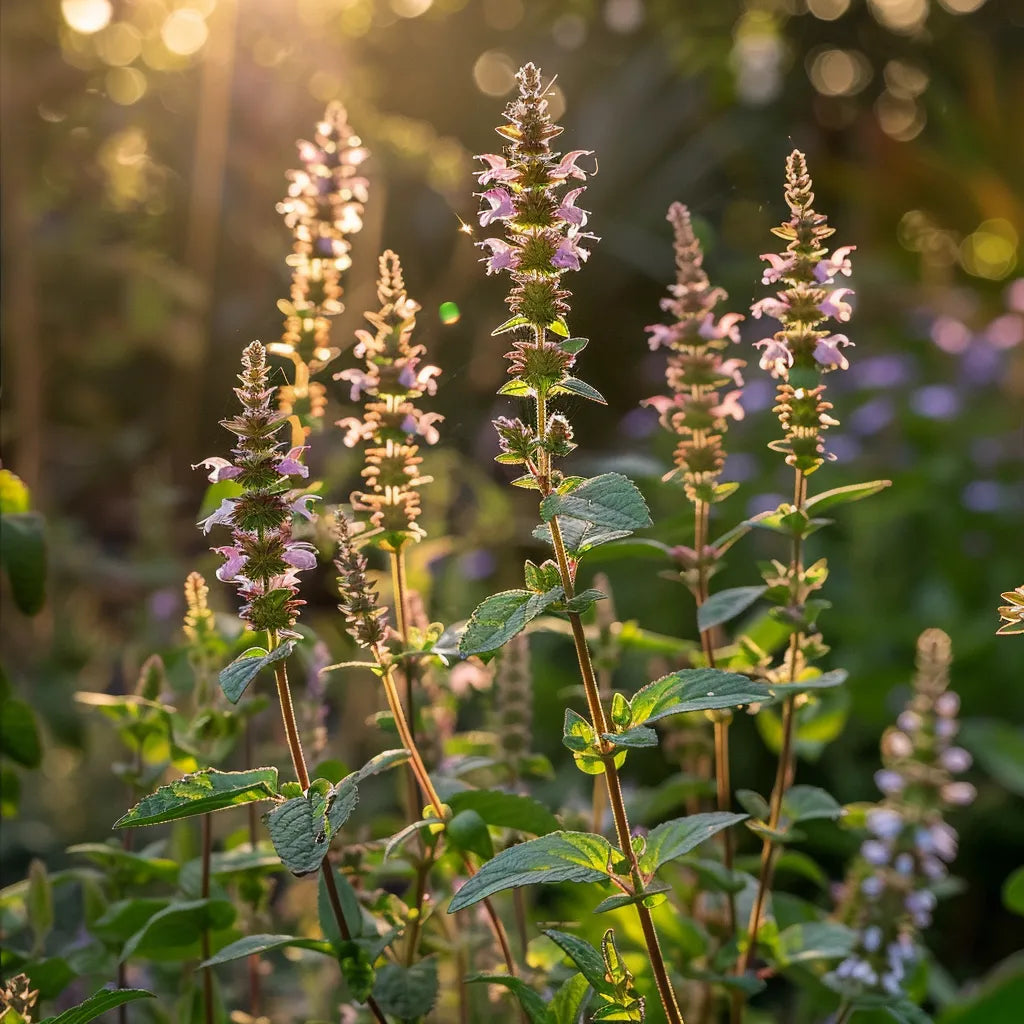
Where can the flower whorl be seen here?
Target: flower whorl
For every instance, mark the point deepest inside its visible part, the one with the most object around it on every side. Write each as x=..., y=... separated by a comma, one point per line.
x=800, y=353
x=696, y=371
x=324, y=206
x=368, y=622
x=394, y=378
x=263, y=560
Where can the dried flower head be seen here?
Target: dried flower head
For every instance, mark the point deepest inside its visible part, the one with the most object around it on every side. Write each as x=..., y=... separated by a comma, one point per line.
x=803, y=351
x=394, y=378
x=263, y=560
x=368, y=622
x=697, y=410
x=323, y=208
x=889, y=896
x=17, y=995
x=1012, y=613
x=513, y=685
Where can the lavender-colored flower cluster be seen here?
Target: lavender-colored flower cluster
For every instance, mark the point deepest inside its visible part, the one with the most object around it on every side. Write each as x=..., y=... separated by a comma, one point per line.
x=394, y=378
x=263, y=560
x=696, y=411
x=888, y=896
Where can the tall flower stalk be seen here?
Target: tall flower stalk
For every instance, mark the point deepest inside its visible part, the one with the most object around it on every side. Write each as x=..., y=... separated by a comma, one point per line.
x=264, y=560
x=544, y=239
x=323, y=209
x=698, y=411
x=798, y=356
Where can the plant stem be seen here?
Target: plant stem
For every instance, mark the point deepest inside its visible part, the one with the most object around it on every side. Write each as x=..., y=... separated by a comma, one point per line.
x=787, y=761
x=207, y=852
x=843, y=1013
x=302, y=774
x=255, y=994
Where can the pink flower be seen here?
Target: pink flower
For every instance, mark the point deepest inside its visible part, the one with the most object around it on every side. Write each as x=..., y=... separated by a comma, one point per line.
x=290, y=465
x=729, y=406
x=356, y=430
x=501, y=206
x=776, y=357
x=360, y=380
x=567, y=166
x=569, y=211
x=827, y=353
x=779, y=265
x=569, y=254
x=222, y=469
x=234, y=564
x=837, y=263
x=661, y=403
x=772, y=306
x=497, y=170
x=833, y=305
x=300, y=506
x=503, y=256
x=663, y=335
x=300, y=554
x=222, y=516
x=725, y=328
x=423, y=424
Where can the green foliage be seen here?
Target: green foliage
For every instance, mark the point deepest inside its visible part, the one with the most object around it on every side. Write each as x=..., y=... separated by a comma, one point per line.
x=704, y=689
x=407, y=992
x=23, y=557
x=98, y=1004
x=174, y=932
x=505, y=810
x=19, y=734
x=673, y=839
x=533, y=1006
x=726, y=605
x=253, y=944
x=611, y=501
x=500, y=617
x=243, y=670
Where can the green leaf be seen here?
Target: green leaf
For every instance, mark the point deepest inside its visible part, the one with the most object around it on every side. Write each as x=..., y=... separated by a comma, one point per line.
x=357, y=968
x=808, y=803
x=899, y=1009
x=517, y=388
x=557, y=857
x=128, y=866
x=825, y=681
x=39, y=903
x=998, y=747
x=584, y=601
x=579, y=536
x=1013, y=891
x=23, y=555
x=814, y=940
x=673, y=839
x=19, y=737
x=996, y=1000
x=123, y=918
x=726, y=605
x=264, y=944
x=610, y=500
x=535, y=1008
x=754, y=803
x=567, y=1005
x=748, y=984
x=574, y=386
x=843, y=495
x=695, y=689
x=622, y=899
x=506, y=810
x=467, y=831
x=243, y=670
x=199, y=793
x=407, y=992
x=510, y=325
x=98, y=1004
x=558, y=326
x=637, y=736
x=499, y=618
x=178, y=927
x=584, y=956
x=573, y=345
x=14, y=496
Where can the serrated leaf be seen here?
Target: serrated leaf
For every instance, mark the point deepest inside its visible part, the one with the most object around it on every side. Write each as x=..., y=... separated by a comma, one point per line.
x=726, y=605
x=697, y=689
x=407, y=992
x=535, y=1008
x=23, y=555
x=809, y=803
x=825, y=681
x=357, y=968
x=584, y=956
x=510, y=325
x=499, y=618
x=243, y=670
x=200, y=793
x=575, y=386
x=178, y=926
x=98, y=1004
x=610, y=500
x=843, y=495
x=264, y=944
x=516, y=387
x=814, y=940
x=636, y=737
x=19, y=736
x=673, y=839
x=556, y=857
x=620, y=900
x=579, y=536
x=506, y=810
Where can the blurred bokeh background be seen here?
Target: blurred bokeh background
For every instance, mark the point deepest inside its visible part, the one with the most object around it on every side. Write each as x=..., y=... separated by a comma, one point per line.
x=145, y=144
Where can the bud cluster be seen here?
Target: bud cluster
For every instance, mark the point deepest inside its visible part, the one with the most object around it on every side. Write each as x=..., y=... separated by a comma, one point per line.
x=513, y=686
x=368, y=622
x=324, y=206
x=1012, y=613
x=800, y=353
x=263, y=560
x=394, y=378
x=697, y=411
x=889, y=895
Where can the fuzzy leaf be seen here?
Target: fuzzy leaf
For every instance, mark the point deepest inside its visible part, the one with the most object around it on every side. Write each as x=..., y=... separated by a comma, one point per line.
x=510, y=325
x=98, y=1004
x=506, y=810
x=610, y=500
x=574, y=386
x=579, y=536
x=516, y=387
x=407, y=992
x=726, y=605
x=808, y=803
x=243, y=670
x=208, y=790
x=535, y=1008
x=557, y=857
x=573, y=345
x=620, y=900
x=467, y=831
x=499, y=618
x=23, y=555
x=814, y=940
x=637, y=736
x=825, y=681
x=843, y=495
x=696, y=689
x=673, y=839
x=584, y=956
x=264, y=944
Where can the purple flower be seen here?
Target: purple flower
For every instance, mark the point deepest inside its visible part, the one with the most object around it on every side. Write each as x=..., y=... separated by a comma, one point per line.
x=664, y=335
x=222, y=469
x=569, y=253
x=773, y=306
x=776, y=357
x=290, y=465
x=234, y=564
x=359, y=379
x=569, y=211
x=221, y=517
x=779, y=265
x=884, y=822
x=497, y=169
x=827, y=353
x=501, y=206
x=300, y=506
x=727, y=327
x=837, y=263
x=835, y=307
x=300, y=554
x=503, y=256
x=567, y=166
